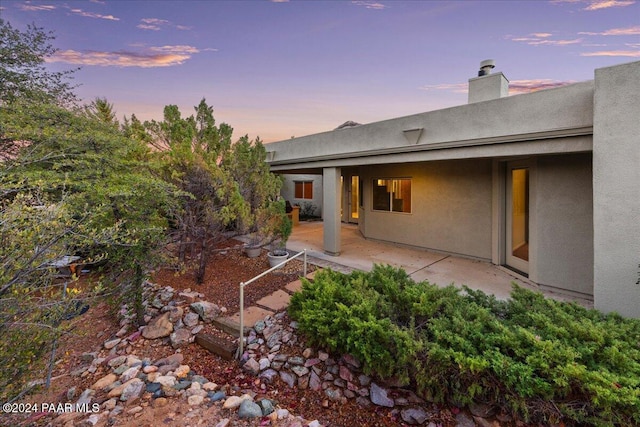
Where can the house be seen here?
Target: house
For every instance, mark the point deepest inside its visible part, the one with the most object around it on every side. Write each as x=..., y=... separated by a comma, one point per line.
x=545, y=183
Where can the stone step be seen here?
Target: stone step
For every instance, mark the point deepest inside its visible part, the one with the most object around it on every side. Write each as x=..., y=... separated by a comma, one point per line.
x=230, y=326
x=218, y=346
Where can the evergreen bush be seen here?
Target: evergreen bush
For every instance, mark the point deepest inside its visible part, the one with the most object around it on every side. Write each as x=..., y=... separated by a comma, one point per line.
x=538, y=359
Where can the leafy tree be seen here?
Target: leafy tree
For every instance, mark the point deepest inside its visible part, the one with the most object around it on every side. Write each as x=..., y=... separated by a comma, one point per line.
x=75, y=186
x=22, y=71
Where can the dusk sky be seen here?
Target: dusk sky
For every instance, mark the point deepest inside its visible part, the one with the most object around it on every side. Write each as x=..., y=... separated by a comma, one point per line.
x=277, y=69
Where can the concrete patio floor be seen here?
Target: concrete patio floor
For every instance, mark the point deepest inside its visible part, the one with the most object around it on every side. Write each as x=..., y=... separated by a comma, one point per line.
x=438, y=268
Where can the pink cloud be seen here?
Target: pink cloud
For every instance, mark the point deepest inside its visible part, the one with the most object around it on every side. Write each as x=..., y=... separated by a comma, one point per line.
x=515, y=86
x=34, y=8
x=629, y=31
x=369, y=4
x=624, y=53
x=93, y=15
x=164, y=56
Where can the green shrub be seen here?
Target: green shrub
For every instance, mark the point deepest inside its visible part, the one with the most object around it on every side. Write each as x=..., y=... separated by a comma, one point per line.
x=540, y=360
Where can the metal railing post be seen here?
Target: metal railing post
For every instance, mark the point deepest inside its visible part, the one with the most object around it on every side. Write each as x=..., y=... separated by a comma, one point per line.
x=241, y=344
x=304, y=269
x=243, y=284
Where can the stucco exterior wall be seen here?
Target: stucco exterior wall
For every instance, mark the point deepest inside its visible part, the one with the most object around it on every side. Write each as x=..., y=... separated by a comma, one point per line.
x=288, y=190
x=451, y=207
x=616, y=189
x=564, y=223
x=568, y=107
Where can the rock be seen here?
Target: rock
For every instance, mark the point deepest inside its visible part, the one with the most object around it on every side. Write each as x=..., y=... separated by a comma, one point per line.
x=300, y=370
x=190, y=296
x=173, y=360
x=274, y=339
x=282, y=414
x=379, y=396
x=175, y=314
x=182, y=371
x=251, y=366
x=132, y=390
x=249, y=409
x=296, y=360
x=209, y=386
x=351, y=360
x=346, y=374
x=314, y=423
x=160, y=402
x=218, y=395
x=110, y=404
x=288, y=378
x=307, y=353
x=88, y=357
x=414, y=415
x=166, y=380
x=129, y=374
x=333, y=393
x=149, y=369
x=315, y=383
x=266, y=406
x=117, y=361
x=303, y=382
x=481, y=410
x=264, y=363
x=323, y=356
x=112, y=343
x=153, y=387
x=133, y=361
x=223, y=422
x=191, y=319
x=197, y=329
x=206, y=310
x=104, y=382
x=483, y=422
x=85, y=397
x=195, y=400
x=233, y=402
x=159, y=327
x=71, y=393
x=463, y=420
x=180, y=338
x=268, y=375
x=364, y=380
x=135, y=410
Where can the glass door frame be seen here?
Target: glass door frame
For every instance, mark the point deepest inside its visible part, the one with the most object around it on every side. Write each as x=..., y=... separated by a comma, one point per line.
x=511, y=260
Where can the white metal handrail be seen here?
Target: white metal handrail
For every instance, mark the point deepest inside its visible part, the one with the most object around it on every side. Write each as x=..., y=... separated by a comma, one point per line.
x=243, y=284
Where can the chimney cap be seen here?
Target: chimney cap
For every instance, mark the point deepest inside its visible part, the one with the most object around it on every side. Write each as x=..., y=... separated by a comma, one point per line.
x=488, y=63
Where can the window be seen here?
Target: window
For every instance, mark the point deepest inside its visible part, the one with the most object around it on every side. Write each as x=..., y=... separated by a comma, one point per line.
x=304, y=189
x=392, y=195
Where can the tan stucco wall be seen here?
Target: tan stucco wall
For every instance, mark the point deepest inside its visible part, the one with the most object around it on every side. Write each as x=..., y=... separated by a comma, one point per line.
x=552, y=110
x=451, y=207
x=288, y=190
x=563, y=214
x=616, y=189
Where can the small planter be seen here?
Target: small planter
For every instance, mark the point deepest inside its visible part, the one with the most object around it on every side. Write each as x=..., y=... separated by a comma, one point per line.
x=253, y=251
x=277, y=256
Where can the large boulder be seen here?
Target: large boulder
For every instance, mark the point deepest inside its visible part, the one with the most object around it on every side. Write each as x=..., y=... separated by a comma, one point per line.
x=207, y=311
x=158, y=328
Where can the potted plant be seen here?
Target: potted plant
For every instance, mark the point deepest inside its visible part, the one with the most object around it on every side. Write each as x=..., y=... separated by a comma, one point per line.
x=281, y=231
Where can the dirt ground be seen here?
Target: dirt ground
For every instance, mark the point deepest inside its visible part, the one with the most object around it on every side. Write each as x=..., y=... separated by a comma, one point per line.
x=226, y=269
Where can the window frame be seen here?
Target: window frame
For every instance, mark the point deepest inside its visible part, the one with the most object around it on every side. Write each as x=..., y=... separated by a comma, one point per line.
x=374, y=184
x=306, y=184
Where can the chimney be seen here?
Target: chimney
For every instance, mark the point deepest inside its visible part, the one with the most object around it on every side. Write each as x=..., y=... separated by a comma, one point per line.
x=488, y=86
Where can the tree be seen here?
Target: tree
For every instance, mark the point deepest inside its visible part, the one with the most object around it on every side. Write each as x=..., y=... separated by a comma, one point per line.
x=100, y=109
x=190, y=160
x=22, y=71
x=76, y=186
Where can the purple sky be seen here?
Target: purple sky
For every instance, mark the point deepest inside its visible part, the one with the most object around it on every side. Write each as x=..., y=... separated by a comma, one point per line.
x=276, y=69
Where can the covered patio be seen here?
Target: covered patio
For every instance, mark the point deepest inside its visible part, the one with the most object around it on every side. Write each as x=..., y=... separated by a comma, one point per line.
x=358, y=253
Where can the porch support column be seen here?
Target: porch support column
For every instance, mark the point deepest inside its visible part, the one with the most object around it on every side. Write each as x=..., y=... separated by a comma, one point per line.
x=616, y=195
x=331, y=198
